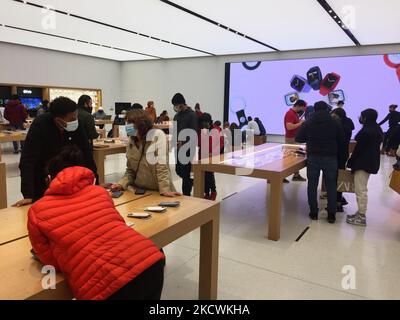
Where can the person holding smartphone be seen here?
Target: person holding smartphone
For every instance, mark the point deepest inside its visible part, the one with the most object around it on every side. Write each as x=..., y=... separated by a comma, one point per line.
x=147, y=157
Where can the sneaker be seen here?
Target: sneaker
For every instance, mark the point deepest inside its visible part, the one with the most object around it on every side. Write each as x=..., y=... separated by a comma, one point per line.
x=213, y=196
x=357, y=220
x=344, y=202
x=313, y=216
x=339, y=208
x=15, y=151
x=285, y=180
x=331, y=218
x=207, y=196
x=298, y=178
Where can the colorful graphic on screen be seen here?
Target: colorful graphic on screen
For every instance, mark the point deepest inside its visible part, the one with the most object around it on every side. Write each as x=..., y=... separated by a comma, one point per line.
x=269, y=90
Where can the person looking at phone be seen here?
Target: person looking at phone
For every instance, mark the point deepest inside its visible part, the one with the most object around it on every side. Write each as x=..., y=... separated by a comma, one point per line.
x=147, y=157
x=292, y=124
x=76, y=229
x=47, y=135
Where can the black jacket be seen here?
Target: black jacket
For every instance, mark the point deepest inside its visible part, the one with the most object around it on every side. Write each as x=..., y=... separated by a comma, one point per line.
x=366, y=155
x=343, y=148
x=322, y=134
x=393, y=117
x=44, y=141
x=88, y=124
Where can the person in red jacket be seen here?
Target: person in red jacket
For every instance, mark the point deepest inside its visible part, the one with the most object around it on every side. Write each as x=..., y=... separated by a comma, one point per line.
x=16, y=114
x=210, y=134
x=76, y=228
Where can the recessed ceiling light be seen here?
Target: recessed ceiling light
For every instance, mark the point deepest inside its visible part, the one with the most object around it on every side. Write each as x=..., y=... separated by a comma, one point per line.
x=330, y=11
x=339, y=22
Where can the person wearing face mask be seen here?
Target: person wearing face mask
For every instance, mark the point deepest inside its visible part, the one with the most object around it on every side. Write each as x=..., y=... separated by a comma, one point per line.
x=185, y=149
x=85, y=110
x=147, y=157
x=364, y=161
x=47, y=135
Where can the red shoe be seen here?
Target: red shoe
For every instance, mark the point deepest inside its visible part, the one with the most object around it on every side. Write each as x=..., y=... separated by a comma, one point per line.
x=213, y=196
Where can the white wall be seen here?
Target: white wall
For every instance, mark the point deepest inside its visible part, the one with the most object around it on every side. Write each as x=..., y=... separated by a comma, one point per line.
x=34, y=66
x=203, y=79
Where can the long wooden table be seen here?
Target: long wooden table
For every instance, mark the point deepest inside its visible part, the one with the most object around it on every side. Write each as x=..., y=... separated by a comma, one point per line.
x=13, y=221
x=101, y=150
x=21, y=277
x=10, y=136
x=265, y=167
x=103, y=122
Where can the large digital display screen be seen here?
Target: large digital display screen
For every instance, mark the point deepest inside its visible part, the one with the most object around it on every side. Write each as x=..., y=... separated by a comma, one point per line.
x=267, y=89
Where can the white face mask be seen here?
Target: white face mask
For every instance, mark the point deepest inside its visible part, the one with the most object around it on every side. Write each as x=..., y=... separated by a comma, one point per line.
x=122, y=116
x=72, y=126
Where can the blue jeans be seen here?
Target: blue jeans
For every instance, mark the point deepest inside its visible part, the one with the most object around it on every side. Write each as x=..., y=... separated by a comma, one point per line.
x=329, y=167
x=15, y=143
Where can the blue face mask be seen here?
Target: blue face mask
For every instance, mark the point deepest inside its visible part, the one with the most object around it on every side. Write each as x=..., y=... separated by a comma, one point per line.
x=131, y=130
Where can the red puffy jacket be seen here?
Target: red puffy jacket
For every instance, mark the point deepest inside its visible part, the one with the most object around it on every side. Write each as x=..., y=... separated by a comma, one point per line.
x=76, y=228
x=15, y=113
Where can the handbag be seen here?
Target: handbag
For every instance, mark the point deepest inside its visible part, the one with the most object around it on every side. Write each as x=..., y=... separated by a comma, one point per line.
x=345, y=182
x=395, y=181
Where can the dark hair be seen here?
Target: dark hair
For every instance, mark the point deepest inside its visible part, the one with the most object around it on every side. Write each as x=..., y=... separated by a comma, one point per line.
x=69, y=156
x=300, y=103
x=249, y=118
x=142, y=121
x=14, y=97
x=205, y=118
x=61, y=106
x=83, y=100
x=178, y=99
x=321, y=105
x=197, y=106
x=45, y=103
x=370, y=116
x=218, y=123
x=137, y=106
x=150, y=103
x=393, y=106
x=233, y=126
x=164, y=112
x=340, y=102
x=341, y=113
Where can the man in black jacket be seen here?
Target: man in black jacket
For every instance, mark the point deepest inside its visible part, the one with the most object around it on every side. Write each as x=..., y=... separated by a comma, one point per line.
x=85, y=117
x=394, y=119
x=364, y=161
x=185, y=124
x=47, y=135
x=323, y=135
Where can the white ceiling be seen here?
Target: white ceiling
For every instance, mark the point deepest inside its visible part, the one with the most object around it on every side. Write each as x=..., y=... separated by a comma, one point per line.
x=283, y=24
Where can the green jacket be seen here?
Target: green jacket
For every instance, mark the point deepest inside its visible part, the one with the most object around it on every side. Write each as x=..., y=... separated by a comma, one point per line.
x=87, y=120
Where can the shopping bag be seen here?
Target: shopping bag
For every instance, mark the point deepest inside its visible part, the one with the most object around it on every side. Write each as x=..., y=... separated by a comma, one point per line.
x=345, y=182
x=395, y=181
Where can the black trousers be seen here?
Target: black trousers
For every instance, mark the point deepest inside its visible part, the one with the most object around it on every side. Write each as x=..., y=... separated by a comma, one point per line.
x=209, y=183
x=146, y=286
x=183, y=171
x=394, y=139
x=388, y=137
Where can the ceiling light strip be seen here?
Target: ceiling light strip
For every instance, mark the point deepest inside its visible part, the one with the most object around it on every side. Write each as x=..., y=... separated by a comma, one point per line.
x=217, y=24
x=79, y=40
x=338, y=21
x=114, y=27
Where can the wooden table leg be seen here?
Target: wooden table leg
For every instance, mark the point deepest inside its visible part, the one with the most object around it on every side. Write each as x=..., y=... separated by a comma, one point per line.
x=3, y=186
x=208, y=269
x=274, y=209
x=100, y=158
x=198, y=182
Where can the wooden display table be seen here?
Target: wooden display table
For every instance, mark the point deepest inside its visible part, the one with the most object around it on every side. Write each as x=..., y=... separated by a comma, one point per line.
x=13, y=221
x=3, y=185
x=10, y=136
x=21, y=277
x=101, y=150
x=103, y=122
x=269, y=161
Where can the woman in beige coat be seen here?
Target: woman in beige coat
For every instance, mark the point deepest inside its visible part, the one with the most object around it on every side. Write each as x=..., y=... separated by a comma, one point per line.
x=147, y=157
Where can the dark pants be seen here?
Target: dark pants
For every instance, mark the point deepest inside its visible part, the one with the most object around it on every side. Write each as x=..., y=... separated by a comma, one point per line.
x=209, y=183
x=329, y=167
x=146, y=286
x=183, y=171
x=394, y=139
x=387, y=140
x=15, y=143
